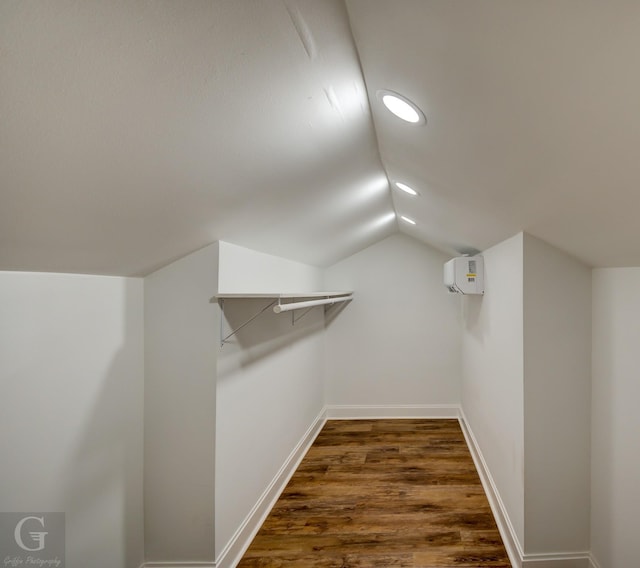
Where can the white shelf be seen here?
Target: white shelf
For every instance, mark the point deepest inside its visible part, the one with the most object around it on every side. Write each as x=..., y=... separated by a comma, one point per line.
x=283, y=296
x=310, y=300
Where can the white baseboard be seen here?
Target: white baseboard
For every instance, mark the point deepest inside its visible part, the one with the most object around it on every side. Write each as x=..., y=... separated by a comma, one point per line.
x=563, y=560
x=240, y=541
x=507, y=532
x=355, y=412
x=593, y=563
x=505, y=527
x=242, y=538
x=178, y=565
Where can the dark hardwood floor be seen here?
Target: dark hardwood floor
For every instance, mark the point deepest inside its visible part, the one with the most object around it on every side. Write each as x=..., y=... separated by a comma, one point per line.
x=382, y=493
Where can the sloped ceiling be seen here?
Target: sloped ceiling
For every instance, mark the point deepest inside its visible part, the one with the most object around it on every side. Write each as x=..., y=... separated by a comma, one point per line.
x=532, y=119
x=133, y=132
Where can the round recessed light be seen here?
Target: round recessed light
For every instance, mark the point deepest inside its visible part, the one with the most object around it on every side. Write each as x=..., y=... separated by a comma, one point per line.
x=404, y=187
x=410, y=221
x=402, y=107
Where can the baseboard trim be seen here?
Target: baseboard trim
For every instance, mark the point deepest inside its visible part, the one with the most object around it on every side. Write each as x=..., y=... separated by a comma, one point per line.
x=238, y=544
x=178, y=565
x=505, y=527
x=557, y=560
x=593, y=563
x=507, y=532
x=240, y=541
x=355, y=412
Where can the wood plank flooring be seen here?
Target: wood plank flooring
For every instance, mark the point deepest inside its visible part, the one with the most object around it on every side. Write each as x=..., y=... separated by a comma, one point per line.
x=382, y=493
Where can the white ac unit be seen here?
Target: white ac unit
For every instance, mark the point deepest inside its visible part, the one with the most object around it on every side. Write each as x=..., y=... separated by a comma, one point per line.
x=464, y=275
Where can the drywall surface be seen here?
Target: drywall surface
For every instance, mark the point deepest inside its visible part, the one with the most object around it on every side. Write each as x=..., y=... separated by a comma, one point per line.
x=398, y=342
x=247, y=120
x=615, y=418
x=269, y=387
x=71, y=385
x=181, y=344
x=557, y=399
x=493, y=373
x=242, y=270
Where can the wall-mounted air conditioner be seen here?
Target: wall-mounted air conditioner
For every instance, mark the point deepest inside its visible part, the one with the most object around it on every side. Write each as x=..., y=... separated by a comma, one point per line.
x=465, y=275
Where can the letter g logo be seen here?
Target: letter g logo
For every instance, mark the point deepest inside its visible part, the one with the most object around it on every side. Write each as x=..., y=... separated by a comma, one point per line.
x=37, y=537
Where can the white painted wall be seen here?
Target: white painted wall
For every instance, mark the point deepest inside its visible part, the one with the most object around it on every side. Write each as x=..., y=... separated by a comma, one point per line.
x=71, y=385
x=493, y=373
x=398, y=342
x=243, y=270
x=557, y=399
x=77, y=341
x=615, y=424
x=269, y=388
x=181, y=345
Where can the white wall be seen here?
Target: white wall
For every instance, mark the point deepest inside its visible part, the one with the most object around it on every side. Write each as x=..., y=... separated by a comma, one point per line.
x=615, y=420
x=71, y=385
x=219, y=424
x=269, y=388
x=181, y=345
x=493, y=373
x=243, y=271
x=398, y=342
x=557, y=399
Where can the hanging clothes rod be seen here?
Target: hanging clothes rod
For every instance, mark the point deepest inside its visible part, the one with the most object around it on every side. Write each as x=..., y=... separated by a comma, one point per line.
x=310, y=303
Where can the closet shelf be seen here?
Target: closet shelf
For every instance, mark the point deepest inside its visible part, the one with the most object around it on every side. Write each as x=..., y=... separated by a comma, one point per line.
x=283, y=296
x=312, y=299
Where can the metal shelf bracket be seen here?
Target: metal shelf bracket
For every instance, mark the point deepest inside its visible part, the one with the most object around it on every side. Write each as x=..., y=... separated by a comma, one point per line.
x=327, y=300
x=225, y=339
x=294, y=319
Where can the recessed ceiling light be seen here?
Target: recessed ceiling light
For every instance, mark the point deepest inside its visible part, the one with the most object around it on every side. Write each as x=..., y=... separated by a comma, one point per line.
x=402, y=107
x=410, y=221
x=404, y=187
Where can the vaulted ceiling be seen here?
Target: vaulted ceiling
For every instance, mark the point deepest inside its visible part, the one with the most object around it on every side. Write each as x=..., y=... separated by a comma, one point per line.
x=532, y=119
x=133, y=132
